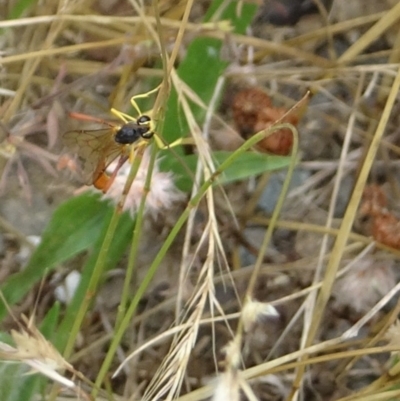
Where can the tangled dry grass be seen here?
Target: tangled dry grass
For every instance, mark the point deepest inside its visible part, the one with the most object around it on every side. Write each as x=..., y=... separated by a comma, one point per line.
x=232, y=292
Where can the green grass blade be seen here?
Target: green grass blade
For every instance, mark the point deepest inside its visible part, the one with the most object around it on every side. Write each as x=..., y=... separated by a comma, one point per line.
x=74, y=227
x=202, y=68
x=118, y=246
x=245, y=166
x=20, y=7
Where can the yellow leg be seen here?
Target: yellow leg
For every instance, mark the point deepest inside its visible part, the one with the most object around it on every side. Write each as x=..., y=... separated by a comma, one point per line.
x=126, y=117
x=161, y=144
x=141, y=96
x=122, y=116
x=181, y=141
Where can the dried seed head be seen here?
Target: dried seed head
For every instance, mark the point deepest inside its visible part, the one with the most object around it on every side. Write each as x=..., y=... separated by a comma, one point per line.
x=162, y=195
x=232, y=352
x=227, y=387
x=254, y=311
x=365, y=284
x=34, y=350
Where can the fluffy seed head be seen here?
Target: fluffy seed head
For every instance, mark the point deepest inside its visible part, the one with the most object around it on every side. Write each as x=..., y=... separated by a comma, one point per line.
x=162, y=195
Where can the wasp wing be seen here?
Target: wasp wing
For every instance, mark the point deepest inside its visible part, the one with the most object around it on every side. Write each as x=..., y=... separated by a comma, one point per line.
x=96, y=149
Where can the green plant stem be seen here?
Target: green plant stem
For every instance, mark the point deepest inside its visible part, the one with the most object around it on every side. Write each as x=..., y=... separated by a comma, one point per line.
x=166, y=245
x=93, y=284
x=99, y=266
x=90, y=292
x=267, y=237
x=135, y=242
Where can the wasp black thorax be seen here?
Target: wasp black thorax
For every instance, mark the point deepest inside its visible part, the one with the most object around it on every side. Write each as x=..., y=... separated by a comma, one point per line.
x=134, y=130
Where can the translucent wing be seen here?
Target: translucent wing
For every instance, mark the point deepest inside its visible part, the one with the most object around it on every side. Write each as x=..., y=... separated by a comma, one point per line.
x=96, y=149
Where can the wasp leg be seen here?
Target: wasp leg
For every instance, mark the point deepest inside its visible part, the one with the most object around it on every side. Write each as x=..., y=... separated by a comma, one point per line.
x=141, y=96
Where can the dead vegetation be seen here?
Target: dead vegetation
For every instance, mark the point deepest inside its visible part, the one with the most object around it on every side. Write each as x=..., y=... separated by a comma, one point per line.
x=260, y=294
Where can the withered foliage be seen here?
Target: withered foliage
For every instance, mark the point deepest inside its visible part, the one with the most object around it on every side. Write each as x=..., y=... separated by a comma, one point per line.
x=382, y=224
x=253, y=112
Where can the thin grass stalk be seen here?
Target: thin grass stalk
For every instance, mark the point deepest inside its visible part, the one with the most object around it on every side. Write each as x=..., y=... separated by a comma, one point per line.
x=284, y=363
x=271, y=47
x=275, y=215
x=315, y=228
x=140, y=215
x=179, y=37
x=168, y=62
x=163, y=94
x=215, y=31
x=136, y=231
x=135, y=241
x=335, y=29
x=330, y=353
x=310, y=301
x=165, y=89
x=112, y=20
x=347, y=223
x=90, y=292
x=389, y=395
x=64, y=50
x=351, y=210
x=93, y=283
x=99, y=267
x=380, y=386
x=168, y=242
x=388, y=19
x=136, y=299
x=270, y=229
x=345, y=367
x=30, y=68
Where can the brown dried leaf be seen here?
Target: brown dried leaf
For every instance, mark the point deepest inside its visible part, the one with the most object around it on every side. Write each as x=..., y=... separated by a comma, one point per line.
x=253, y=112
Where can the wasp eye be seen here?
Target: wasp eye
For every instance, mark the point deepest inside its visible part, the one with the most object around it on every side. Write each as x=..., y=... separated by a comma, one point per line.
x=147, y=135
x=143, y=120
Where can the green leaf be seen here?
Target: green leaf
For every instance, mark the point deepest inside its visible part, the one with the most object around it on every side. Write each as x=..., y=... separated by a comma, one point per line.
x=200, y=70
x=202, y=67
x=20, y=7
x=50, y=322
x=74, y=227
x=15, y=384
x=121, y=240
x=246, y=165
x=250, y=164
